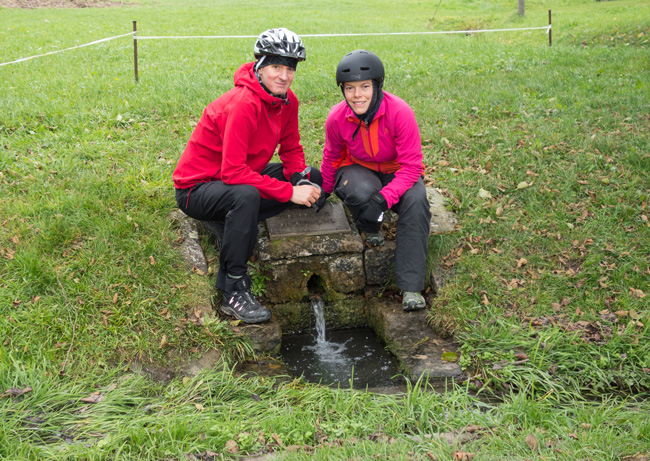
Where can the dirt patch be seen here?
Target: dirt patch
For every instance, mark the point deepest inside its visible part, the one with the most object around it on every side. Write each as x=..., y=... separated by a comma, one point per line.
x=33, y=4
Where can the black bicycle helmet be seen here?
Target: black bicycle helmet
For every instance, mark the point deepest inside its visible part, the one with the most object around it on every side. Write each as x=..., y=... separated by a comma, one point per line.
x=279, y=42
x=360, y=65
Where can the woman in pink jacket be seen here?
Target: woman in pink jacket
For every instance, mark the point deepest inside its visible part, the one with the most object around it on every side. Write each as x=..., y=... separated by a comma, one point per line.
x=373, y=162
x=224, y=176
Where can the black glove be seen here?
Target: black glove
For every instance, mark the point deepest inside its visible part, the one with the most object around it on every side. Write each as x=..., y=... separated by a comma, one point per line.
x=320, y=203
x=372, y=214
x=296, y=178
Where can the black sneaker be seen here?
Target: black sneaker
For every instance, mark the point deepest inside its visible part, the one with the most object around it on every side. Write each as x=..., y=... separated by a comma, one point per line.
x=241, y=304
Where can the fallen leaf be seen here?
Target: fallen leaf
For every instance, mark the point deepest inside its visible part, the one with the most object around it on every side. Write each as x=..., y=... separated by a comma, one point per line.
x=231, y=447
x=484, y=194
x=531, y=441
x=462, y=456
x=15, y=392
x=152, y=261
x=635, y=457
x=95, y=397
x=276, y=437
x=523, y=185
x=450, y=356
x=637, y=293
x=163, y=342
x=198, y=406
x=522, y=262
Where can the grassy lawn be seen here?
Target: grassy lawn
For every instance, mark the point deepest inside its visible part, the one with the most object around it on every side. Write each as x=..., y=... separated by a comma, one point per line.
x=543, y=153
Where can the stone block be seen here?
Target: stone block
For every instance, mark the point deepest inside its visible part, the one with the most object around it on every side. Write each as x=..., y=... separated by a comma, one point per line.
x=307, y=245
x=299, y=316
x=288, y=279
x=265, y=337
x=379, y=263
x=409, y=337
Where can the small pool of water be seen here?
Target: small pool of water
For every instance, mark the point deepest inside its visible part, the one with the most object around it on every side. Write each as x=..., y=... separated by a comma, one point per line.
x=342, y=355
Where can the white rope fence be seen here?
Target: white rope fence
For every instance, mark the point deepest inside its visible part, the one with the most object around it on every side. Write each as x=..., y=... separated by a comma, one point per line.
x=547, y=28
x=67, y=49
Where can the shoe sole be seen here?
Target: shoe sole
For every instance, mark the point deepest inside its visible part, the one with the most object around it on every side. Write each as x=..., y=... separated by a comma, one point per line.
x=413, y=308
x=262, y=318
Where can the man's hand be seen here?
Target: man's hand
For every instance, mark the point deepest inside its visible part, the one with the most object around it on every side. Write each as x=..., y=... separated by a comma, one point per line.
x=305, y=195
x=372, y=215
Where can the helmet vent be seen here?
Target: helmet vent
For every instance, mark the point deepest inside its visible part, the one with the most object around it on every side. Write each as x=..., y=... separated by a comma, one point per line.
x=365, y=68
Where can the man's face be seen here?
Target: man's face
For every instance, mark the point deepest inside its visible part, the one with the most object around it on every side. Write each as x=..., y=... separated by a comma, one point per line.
x=358, y=95
x=277, y=78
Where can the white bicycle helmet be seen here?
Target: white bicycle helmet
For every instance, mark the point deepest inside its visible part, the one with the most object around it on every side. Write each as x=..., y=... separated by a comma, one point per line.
x=279, y=42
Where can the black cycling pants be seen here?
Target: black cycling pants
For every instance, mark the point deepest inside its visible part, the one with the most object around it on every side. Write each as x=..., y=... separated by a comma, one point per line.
x=355, y=184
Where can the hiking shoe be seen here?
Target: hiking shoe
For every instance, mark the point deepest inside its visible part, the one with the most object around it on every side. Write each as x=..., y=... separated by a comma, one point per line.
x=374, y=240
x=241, y=304
x=412, y=301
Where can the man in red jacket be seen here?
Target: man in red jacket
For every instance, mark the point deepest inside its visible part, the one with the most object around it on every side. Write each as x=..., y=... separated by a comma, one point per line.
x=224, y=174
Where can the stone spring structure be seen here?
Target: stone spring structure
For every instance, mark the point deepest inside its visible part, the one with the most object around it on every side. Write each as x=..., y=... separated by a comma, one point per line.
x=301, y=254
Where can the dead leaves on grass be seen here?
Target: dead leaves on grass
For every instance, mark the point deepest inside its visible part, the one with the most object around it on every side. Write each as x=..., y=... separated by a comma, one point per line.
x=15, y=392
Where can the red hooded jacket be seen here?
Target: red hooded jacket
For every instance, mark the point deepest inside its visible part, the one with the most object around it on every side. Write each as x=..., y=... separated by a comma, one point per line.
x=237, y=136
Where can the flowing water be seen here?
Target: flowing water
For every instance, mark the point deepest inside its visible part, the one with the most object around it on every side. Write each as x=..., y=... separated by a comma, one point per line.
x=341, y=356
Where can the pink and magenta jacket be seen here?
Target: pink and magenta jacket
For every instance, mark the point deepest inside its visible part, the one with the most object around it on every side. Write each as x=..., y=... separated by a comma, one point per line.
x=390, y=145
x=237, y=136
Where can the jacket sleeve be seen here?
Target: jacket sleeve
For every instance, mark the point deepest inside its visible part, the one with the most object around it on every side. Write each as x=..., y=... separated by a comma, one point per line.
x=291, y=152
x=409, y=155
x=240, y=125
x=333, y=152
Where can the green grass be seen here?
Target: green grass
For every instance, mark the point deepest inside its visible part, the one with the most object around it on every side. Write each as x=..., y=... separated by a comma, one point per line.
x=553, y=267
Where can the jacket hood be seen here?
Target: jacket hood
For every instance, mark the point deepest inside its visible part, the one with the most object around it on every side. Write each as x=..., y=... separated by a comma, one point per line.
x=245, y=76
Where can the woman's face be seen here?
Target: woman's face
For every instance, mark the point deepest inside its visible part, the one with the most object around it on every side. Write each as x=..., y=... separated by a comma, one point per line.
x=358, y=95
x=277, y=78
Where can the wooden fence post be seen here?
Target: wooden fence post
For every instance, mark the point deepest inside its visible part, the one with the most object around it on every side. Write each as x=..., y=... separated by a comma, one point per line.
x=135, y=50
x=550, y=29
x=522, y=7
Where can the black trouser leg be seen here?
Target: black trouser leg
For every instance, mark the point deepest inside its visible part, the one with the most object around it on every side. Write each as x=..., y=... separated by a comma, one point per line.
x=412, y=238
x=355, y=184
x=238, y=207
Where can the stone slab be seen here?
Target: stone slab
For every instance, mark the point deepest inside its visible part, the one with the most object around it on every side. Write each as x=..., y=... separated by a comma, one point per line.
x=305, y=221
x=265, y=337
x=302, y=246
x=442, y=221
x=409, y=337
x=190, y=246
